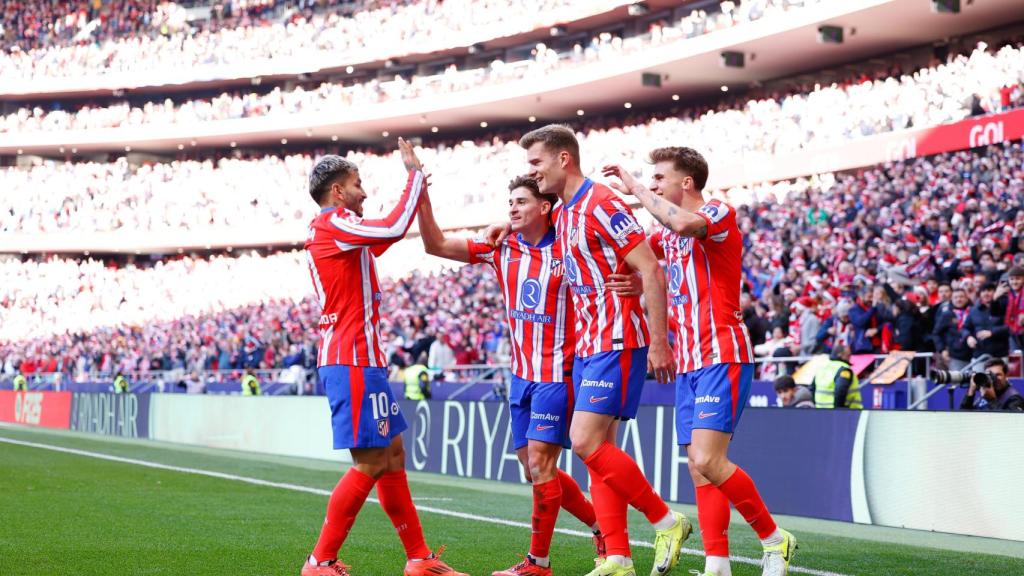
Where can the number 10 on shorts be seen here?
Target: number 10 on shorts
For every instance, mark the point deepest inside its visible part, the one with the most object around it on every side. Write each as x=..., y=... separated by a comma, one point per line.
x=379, y=403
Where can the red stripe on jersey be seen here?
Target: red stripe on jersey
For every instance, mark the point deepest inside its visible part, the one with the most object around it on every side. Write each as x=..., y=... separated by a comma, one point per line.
x=597, y=230
x=341, y=252
x=734, y=371
x=625, y=362
x=356, y=388
x=706, y=304
x=537, y=305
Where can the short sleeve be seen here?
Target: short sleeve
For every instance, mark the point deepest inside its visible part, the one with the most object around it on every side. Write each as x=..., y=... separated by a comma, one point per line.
x=721, y=219
x=617, y=226
x=480, y=252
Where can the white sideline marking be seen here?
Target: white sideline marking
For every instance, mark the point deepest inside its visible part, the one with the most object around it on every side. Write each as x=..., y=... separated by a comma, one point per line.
x=321, y=492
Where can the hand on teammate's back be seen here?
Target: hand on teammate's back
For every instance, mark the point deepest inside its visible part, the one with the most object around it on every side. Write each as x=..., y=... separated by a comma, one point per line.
x=625, y=284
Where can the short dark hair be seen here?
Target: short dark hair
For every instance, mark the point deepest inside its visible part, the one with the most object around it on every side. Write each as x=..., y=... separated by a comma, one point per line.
x=555, y=137
x=686, y=160
x=531, y=185
x=784, y=383
x=988, y=286
x=327, y=170
x=997, y=362
x=1016, y=272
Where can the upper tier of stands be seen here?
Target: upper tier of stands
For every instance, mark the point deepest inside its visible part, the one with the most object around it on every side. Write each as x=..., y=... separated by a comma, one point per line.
x=49, y=40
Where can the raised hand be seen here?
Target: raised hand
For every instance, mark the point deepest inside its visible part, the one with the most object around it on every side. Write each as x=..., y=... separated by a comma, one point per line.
x=627, y=183
x=409, y=155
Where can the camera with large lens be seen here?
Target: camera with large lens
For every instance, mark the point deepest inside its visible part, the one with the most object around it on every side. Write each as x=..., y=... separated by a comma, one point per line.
x=964, y=379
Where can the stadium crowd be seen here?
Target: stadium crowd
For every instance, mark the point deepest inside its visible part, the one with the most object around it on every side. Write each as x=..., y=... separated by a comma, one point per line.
x=39, y=46
x=268, y=189
x=83, y=317
x=920, y=255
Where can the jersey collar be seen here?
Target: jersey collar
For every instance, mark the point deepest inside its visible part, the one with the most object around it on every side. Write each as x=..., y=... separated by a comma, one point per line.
x=584, y=188
x=326, y=210
x=547, y=240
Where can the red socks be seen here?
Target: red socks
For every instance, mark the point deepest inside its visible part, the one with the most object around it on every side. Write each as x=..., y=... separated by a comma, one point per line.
x=547, y=499
x=343, y=506
x=740, y=490
x=611, y=516
x=395, y=499
x=573, y=500
x=621, y=473
x=713, y=515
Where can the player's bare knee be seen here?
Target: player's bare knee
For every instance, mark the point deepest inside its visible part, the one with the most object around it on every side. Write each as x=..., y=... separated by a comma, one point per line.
x=542, y=464
x=373, y=469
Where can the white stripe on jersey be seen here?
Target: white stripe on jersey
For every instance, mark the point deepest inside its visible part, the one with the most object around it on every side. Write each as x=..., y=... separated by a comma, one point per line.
x=561, y=309
x=525, y=258
x=318, y=285
x=691, y=284
x=364, y=264
x=716, y=348
x=325, y=346
x=595, y=275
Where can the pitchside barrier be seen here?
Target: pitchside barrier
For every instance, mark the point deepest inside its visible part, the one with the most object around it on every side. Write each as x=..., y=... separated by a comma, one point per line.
x=942, y=471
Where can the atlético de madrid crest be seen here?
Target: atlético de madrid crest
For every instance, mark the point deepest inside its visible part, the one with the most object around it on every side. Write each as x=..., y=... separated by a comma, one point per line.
x=383, y=427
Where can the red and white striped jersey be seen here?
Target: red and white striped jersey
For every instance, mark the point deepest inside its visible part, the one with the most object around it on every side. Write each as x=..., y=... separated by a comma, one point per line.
x=540, y=315
x=707, y=305
x=597, y=230
x=341, y=250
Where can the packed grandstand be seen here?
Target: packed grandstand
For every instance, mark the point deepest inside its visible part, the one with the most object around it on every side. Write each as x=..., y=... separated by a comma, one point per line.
x=869, y=256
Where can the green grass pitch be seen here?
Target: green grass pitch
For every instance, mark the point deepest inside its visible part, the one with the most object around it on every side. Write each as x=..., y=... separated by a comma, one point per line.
x=70, y=514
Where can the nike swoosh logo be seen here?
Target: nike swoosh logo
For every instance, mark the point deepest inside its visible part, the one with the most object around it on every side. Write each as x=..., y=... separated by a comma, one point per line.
x=541, y=428
x=596, y=400
x=704, y=415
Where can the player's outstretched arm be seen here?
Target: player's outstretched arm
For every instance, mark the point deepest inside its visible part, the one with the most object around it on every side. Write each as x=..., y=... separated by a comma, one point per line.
x=434, y=240
x=673, y=217
x=383, y=232
x=659, y=357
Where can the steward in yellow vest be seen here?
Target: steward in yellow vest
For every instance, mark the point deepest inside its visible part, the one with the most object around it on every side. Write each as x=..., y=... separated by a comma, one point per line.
x=835, y=384
x=417, y=382
x=250, y=385
x=120, y=384
x=20, y=383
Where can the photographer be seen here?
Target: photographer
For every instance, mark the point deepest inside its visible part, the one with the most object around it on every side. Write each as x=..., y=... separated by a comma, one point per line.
x=996, y=392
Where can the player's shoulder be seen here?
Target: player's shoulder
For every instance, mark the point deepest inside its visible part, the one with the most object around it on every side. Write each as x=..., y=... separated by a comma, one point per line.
x=716, y=210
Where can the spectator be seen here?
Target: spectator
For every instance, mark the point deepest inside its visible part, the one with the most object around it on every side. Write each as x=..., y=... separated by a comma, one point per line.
x=948, y=334
x=1015, y=308
x=791, y=395
x=985, y=329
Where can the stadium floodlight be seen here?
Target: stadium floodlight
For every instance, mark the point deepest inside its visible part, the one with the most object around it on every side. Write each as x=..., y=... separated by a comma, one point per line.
x=628, y=105
x=580, y=112
x=334, y=138
x=434, y=129
x=830, y=34
x=284, y=140
x=477, y=48
x=483, y=124
x=531, y=119
x=731, y=59
x=675, y=97
x=349, y=69
x=946, y=6
x=638, y=9
x=557, y=31
x=725, y=88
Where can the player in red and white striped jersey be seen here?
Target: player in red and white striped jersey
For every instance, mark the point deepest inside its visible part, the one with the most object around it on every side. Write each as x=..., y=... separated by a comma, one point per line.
x=341, y=248
x=600, y=237
x=703, y=248
x=541, y=326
